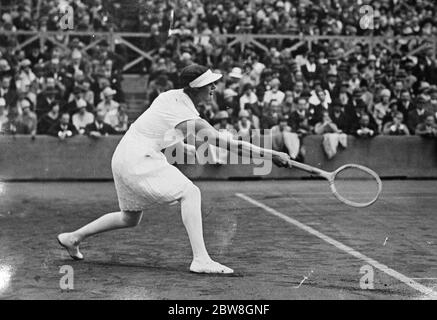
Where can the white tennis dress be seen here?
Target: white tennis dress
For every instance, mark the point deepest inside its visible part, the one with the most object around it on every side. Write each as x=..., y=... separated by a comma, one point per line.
x=142, y=175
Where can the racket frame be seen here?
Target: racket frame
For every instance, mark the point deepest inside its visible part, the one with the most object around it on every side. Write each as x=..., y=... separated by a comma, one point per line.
x=330, y=176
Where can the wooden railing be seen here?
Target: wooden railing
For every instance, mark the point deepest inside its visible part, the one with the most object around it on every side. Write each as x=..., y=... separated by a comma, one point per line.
x=263, y=42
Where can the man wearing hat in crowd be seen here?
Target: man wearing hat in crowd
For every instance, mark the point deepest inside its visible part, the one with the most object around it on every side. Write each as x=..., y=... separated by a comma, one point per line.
x=354, y=100
x=47, y=120
x=230, y=101
x=404, y=104
x=418, y=114
x=108, y=103
x=82, y=117
x=234, y=79
x=299, y=118
x=310, y=69
x=338, y=116
x=73, y=106
x=354, y=118
x=26, y=77
x=355, y=79
x=332, y=85
x=63, y=128
x=44, y=100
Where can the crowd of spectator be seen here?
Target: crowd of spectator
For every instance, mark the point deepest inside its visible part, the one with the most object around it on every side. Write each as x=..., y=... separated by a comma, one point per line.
x=332, y=87
x=308, y=17
x=50, y=90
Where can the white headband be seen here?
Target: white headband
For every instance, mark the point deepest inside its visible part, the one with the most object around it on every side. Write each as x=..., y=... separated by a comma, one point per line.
x=205, y=78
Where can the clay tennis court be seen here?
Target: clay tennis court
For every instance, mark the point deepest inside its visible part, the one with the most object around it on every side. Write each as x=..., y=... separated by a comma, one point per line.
x=284, y=239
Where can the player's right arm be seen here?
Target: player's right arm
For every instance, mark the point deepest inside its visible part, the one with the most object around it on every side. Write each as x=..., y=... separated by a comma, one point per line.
x=203, y=129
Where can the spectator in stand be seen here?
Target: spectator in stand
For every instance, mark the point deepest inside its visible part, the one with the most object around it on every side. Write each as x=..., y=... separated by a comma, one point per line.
x=26, y=123
x=245, y=125
x=230, y=101
x=108, y=102
x=381, y=109
x=73, y=106
x=365, y=129
x=88, y=94
x=118, y=118
x=234, y=79
x=319, y=102
x=418, y=115
x=248, y=96
x=63, y=128
x=354, y=118
x=297, y=89
x=222, y=121
x=45, y=99
x=427, y=128
x=310, y=70
x=159, y=85
x=6, y=92
x=326, y=125
x=432, y=106
x=3, y=114
x=299, y=119
x=26, y=78
x=398, y=89
x=99, y=128
x=48, y=120
x=332, y=84
x=283, y=139
x=273, y=97
x=355, y=79
x=339, y=117
x=404, y=105
x=396, y=127
x=82, y=117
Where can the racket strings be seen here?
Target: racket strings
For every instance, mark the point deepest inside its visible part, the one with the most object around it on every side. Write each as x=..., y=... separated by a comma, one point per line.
x=356, y=186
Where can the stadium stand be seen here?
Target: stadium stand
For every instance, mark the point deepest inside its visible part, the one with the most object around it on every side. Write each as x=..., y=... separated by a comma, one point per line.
x=292, y=65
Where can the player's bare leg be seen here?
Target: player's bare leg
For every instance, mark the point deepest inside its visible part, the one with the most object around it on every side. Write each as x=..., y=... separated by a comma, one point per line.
x=192, y=219
x=110, y=221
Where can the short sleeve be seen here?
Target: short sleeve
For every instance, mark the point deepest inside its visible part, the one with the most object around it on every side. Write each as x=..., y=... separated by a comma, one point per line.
x=182, y=109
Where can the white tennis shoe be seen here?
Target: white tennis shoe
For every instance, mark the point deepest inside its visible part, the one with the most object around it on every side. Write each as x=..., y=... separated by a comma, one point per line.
x=209, y=267
x=71, y=246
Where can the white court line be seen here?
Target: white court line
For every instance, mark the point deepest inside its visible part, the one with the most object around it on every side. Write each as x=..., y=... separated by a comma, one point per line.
x=393, y=273
x=357, y=198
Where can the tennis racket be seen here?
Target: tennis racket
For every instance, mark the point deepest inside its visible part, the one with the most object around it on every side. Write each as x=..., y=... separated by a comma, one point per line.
x=354, y=185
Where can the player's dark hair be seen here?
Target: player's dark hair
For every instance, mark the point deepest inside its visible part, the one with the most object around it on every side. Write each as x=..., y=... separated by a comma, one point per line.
x=188, y=74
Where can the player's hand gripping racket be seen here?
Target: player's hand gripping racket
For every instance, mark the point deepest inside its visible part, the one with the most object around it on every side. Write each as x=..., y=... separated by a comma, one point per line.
x=352, y=184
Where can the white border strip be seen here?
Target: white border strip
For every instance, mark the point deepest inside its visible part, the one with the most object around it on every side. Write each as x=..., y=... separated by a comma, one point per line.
x=393, y=273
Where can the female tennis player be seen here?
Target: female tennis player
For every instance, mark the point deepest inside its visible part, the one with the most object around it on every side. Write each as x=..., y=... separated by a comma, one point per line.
x=144, y=178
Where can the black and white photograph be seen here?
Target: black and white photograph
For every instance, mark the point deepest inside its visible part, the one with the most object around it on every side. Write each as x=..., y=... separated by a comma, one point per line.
x=218, y=155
